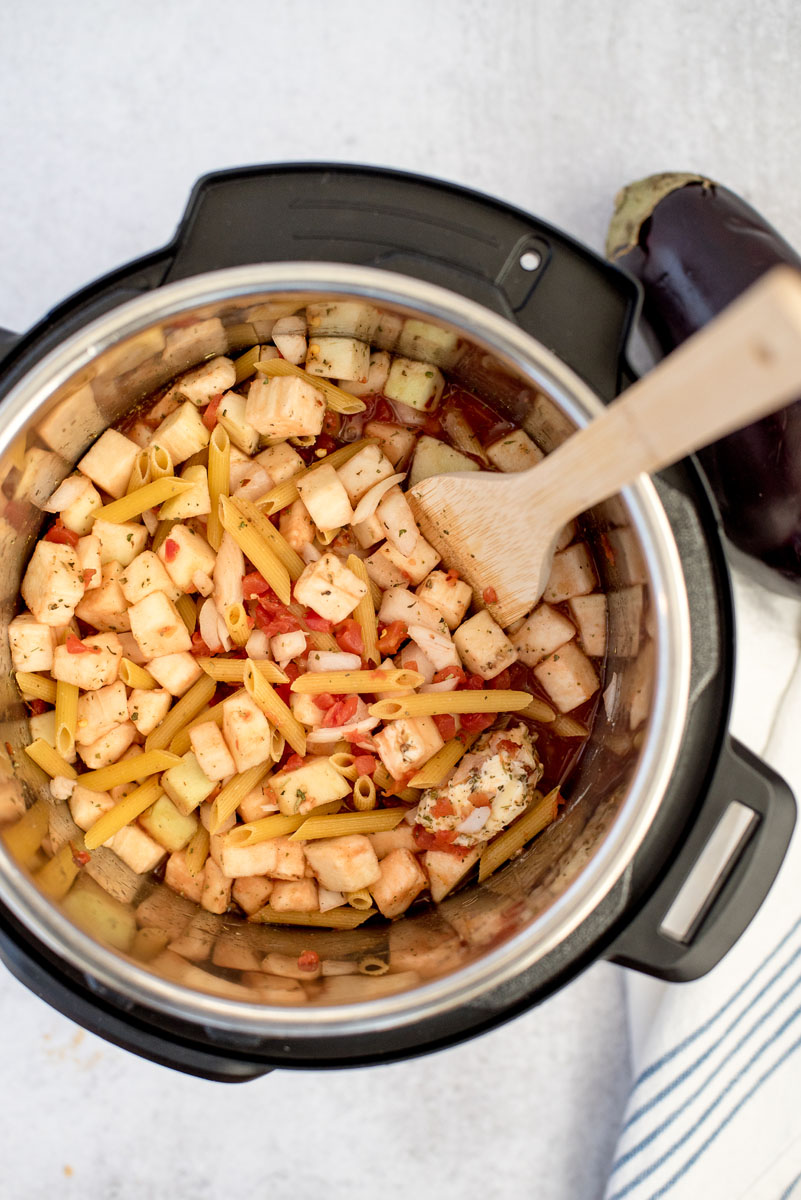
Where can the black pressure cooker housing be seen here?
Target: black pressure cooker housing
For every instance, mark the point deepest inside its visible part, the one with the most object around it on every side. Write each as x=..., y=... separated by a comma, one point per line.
x=583, y=309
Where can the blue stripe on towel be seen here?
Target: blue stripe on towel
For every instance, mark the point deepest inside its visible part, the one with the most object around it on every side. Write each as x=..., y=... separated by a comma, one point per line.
x=789, y=1191
x=657, y=1130
x=668, y=1154
x=691, y=1037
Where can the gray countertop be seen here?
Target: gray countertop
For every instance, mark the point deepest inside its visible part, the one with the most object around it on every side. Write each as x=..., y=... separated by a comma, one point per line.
x=110, y=112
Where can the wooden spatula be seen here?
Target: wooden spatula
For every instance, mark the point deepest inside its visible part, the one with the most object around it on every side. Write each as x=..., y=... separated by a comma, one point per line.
x=498, y=531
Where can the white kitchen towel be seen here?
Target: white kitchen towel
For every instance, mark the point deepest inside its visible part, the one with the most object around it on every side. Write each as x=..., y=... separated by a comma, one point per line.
x=715, y=1106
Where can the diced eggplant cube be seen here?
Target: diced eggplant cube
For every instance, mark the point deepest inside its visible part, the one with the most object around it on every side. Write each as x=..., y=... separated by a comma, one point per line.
x=182, y=434
x=515, y=451
x=285, y=407
x=543, y=631
x=330, y=588
x=91, y=670
x=401, y=881
x=52, y=584
x=325, y=498
x=407, y=744
x=389, y=568
x=589, y=613
x=32, y=643
x=568, y=677
x=450, y=597
x=246, y=731
x=186, y=784
x=483, y=646
x=158, y=627
x=417, y=384
x=338, y=358
x=185, y=554
x=572, y=574
x=109, y=462
x=433, y=457
x=362, y=472
x=344, y=864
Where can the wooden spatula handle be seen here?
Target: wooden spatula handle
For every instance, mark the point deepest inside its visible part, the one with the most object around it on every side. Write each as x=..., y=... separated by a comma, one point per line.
x=744, y=364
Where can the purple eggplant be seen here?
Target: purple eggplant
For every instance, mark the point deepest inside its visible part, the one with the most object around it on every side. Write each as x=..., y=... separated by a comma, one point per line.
x=694, y=246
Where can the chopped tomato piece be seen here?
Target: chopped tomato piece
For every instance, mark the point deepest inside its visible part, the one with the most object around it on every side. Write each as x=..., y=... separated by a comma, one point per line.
x=442, y=807
x=273, y=618
x=349, y=637
x=475, y=722
x=291, y=670
x=254, y=584
x=62, y=536
x=441, y=840
x=392, y=637
x=293, y=762
x=473, y=683
x=79, y=857
x=508, y=745
x=210, y=415
x=452, y=576
x=37, y=706
x=480, y=799
x=324, y=440
x=199, y=646
x=503, y=681
x=489, y=595
x=171, y=549
x=364, y=740
x=365, y=764
x=309, y=960
x=75, y=646
x=316, y=623
x=331, y=423
x=324, y=701
x=383, y=410
x=341, y=713
x=88, y=572
x=449, y=673
x=446, y=724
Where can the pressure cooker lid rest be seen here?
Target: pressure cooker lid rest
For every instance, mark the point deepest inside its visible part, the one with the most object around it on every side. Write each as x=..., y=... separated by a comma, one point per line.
x=214, y=953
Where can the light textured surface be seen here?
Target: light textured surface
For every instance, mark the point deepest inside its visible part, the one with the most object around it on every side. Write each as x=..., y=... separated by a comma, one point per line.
x=111, y=111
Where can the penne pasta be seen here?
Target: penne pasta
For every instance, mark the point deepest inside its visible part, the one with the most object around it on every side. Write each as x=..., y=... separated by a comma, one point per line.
x=564, y=725
x=40, y=687
x=188, y=611
x=338, y=824
x=245, y=365
x=287, y=492
x=140, y=473
x=263, y=830
x=232, y=670
x=336, y=399
x=123, y=812
x=371, y=964
x=326, y=536
x=58, y=874
x=197, y=851
x=360, y=900
x=234, y=792
x=181, y=713
x=274, y=709
x=382, y=778
x=149, y=496
x=50, y=760
x=365, y=610
x=66, y=717
x=432, y=704
x=541, y=813
x=25, y=837
x=254, y=547
x=275, y=540
x=335, y=918
x=219, y=475
x=538, y=710
x=152, y=762
x=236, y=622
x=389, y=679
x=342, y=761
x=438, y=768
x=134, y=676
x=277, y=745
x=364, y=794
x=160, y=462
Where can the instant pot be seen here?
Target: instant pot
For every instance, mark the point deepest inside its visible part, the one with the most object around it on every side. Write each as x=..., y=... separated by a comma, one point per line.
x=672, y=833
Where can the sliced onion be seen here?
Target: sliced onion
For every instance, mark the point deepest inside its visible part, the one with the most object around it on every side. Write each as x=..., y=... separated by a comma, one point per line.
x=320, y=737
x=67, y=493
x=439, y=648
x=476, y=820
x=328, y=900
x=203, y=583
x=229, y=571
x=333, y=660
x=150, y=521
x=370, y=500
x=445, y=685
x=610, y=696
x=258, y=645
x=208, y=624
x=411, y=816
x=310, y=553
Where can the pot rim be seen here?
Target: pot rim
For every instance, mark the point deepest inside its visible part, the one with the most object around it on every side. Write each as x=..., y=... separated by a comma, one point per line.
x=106, y=971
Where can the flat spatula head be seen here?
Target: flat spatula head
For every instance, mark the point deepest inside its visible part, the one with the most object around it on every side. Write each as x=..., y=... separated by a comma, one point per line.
x=484, y=527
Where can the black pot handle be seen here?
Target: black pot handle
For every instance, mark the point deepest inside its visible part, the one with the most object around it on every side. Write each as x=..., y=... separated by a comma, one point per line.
x=720, y=876
x=573, y=301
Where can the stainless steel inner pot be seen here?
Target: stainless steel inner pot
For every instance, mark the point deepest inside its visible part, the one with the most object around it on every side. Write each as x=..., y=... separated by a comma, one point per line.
x=435, y=962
